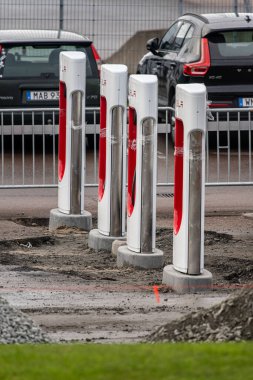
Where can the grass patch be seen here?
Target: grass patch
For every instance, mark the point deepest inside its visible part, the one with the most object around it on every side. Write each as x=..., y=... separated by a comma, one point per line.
x=220, y=361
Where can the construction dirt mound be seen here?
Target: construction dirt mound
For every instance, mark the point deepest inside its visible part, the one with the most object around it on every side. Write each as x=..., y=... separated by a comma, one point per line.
x=231, y=320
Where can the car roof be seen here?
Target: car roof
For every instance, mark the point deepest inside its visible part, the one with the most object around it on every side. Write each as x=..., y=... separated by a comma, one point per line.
x=221, y=21
x=34, y=35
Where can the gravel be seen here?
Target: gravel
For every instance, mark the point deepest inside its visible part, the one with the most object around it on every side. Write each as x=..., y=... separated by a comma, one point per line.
x=16, y=327
x=232, y=320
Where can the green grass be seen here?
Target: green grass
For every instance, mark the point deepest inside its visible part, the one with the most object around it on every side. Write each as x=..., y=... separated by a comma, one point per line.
x=232, y=361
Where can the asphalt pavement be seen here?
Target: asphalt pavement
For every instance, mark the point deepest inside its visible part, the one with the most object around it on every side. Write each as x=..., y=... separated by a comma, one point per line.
x=37, y=203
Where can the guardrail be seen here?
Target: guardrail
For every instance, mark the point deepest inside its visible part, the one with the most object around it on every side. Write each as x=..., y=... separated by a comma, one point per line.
x=229, y=146
x=29, y=149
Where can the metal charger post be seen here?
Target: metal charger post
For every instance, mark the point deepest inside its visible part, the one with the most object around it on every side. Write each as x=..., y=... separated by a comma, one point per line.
x=140, y=251
x=71, y=156
x=187, y=274
x=112, y=158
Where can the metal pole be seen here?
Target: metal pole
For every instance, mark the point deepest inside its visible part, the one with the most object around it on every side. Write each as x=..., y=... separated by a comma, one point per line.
x=76, y=154
x=195, y=203
x=236, y=6
x=61, y=17
x=180, y=7
x=93, y=20
x=116, y=172
x=147, y=191
x=247, y=6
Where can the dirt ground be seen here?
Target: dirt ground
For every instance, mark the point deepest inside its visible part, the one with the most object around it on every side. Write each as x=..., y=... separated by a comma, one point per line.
x=230, y=320
x=75, y=293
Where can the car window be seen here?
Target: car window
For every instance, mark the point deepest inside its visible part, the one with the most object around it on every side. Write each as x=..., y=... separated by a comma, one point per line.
x=189, y=34
x=231, y=44
x=181, y=35
x=190, y=49
x=33, y=61
x=168, y=39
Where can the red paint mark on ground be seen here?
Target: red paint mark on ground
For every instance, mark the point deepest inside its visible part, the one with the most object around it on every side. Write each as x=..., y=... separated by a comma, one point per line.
x=156, y=291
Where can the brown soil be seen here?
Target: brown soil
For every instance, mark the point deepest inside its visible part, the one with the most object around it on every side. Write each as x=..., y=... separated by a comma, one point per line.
x=67, y=252
x=122, y=304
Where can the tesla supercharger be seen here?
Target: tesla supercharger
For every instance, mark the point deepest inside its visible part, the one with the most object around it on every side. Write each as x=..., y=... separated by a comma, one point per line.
x=112, y=152
x=71, y=154
x=112, y=157
x=189, y=191
x=142, y=172
x=71, y=133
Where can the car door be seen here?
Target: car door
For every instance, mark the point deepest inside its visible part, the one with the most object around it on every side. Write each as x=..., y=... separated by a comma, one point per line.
x=169, y=64
x=155, y=63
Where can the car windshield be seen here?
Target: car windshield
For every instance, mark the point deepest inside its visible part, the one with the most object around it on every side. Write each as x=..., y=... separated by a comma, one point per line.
x=235, y=44
x=35, y=61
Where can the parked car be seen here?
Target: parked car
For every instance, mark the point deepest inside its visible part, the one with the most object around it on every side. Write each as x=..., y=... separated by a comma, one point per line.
x=214, y=49
x=29, y=70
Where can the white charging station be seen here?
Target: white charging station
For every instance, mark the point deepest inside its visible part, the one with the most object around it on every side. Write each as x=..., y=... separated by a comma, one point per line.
x=189, y=191
x=142, y=168
x=112, y=150
x=112, y=158
x=71, y=154
x=72, y=119
x=142, y=175
x=189, y=194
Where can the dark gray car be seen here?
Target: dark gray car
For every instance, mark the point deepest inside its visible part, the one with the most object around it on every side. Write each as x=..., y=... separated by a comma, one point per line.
x=214, y=49
x=29, y=68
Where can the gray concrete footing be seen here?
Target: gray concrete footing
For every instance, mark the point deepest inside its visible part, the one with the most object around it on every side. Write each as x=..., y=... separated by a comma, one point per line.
x=185, y=283
x=116, y=244
x=248, y=215
x=127, y=258
x=98, y=242
x=59, y=220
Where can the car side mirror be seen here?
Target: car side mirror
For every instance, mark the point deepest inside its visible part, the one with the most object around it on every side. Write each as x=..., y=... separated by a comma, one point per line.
x=152, y=45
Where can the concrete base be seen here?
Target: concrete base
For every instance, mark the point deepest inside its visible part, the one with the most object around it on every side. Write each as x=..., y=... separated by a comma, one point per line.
x=58, y=219
x=97, y=241
x=116, y=244
x=248, y=215
x=185, y=283
x=127, y=258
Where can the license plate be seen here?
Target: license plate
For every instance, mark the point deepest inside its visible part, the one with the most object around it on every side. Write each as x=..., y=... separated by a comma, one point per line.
x=245, y=102
x=42, y=95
